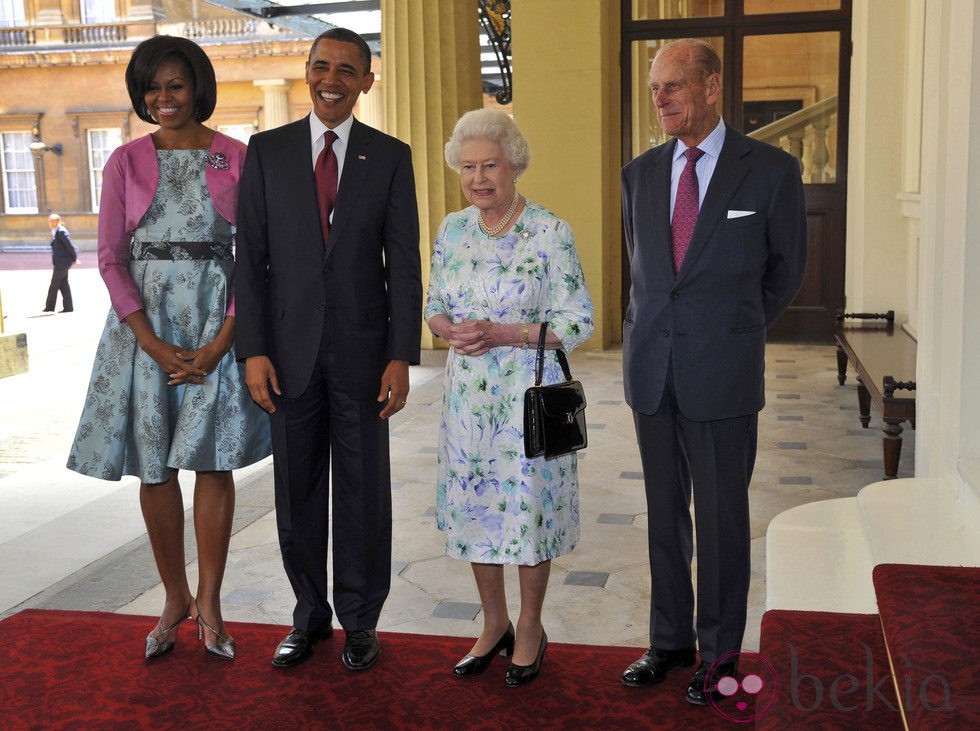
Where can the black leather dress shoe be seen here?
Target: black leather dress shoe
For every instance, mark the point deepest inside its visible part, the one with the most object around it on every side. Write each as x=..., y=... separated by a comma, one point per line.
x=522, y=674
x=475, y=664
x=653, y=666
x=702, y=687
x=361, y=649
x=298, y=646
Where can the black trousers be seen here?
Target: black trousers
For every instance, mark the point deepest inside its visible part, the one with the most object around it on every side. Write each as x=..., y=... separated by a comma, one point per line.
x=713, y=460
x=323, y=424
x=59, y=283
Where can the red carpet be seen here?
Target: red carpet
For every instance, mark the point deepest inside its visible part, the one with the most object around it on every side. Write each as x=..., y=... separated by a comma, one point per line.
x=83, y=670
x=931, y=619
x=832, y=670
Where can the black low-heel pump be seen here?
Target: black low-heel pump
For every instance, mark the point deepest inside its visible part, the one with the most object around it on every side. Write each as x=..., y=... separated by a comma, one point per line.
x=522, y=674
x=474, y=665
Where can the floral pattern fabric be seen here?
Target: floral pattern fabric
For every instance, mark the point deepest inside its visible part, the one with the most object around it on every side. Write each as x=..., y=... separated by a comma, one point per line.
x=493, y=503
x=133, y=423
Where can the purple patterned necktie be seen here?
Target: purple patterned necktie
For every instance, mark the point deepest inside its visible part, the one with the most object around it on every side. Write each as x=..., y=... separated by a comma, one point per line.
x=685, y=207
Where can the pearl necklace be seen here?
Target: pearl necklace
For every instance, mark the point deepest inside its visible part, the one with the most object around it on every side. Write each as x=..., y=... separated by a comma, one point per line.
x=502, y=223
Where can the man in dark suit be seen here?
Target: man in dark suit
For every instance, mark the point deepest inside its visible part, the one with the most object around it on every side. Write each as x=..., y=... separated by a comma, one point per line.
x=64, y=254
x=715, y=227
x=329, y=302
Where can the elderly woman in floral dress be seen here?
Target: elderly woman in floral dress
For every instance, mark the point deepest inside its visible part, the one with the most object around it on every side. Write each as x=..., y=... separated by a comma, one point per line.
x=502, y=269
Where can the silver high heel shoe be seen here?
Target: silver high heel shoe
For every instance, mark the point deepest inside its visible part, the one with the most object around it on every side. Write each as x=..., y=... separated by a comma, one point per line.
x=223, y=648
x=156, y=645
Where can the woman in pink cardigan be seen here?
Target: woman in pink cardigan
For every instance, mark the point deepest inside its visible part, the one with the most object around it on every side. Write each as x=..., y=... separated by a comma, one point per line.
x=166, y=391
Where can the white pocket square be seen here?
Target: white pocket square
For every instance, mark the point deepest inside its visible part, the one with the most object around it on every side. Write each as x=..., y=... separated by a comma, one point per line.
x=739, y=214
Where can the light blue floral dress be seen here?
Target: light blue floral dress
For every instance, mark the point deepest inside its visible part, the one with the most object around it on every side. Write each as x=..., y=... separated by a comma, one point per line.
x=494, y=504
x=133, y=423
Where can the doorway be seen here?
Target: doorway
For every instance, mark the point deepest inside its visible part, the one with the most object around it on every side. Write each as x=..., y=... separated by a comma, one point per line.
x=785, y=80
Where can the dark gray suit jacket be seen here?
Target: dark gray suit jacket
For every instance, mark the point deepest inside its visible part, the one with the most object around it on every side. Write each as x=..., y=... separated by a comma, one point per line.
x=738, y=276
x=365, y=285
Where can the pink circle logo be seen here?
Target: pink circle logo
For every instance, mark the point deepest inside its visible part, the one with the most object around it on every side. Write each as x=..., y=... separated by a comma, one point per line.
x=748, y=695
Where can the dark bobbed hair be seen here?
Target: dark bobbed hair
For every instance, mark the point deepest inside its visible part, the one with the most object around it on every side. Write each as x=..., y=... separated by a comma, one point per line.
x=347, y=36
x=146, y=60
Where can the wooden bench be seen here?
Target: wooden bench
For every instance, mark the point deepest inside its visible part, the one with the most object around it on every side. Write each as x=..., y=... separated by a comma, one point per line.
x=884, y=358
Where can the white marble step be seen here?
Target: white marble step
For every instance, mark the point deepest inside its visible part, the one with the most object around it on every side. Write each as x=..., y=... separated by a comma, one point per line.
x=818, y=559
x=922, y=521
x=819, y=556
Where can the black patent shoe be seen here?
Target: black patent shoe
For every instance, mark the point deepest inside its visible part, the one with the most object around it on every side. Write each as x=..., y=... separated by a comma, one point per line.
x=653, y=666
x=518, y=675
x=361, y=649
x=475, y=664
x=297, y=646
x=704, y=682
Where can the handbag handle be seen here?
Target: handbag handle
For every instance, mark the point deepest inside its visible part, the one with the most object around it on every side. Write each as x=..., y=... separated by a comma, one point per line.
x=560, y=354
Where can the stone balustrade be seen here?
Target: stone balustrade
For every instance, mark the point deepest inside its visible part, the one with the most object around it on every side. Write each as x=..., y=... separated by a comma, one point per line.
x=809, y=135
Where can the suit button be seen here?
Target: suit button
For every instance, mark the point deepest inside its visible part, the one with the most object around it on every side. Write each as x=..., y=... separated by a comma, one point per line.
x=674, y=295
x=666, y=332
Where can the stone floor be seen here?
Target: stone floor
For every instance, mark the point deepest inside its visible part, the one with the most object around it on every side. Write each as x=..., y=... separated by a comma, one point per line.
x=79, y=543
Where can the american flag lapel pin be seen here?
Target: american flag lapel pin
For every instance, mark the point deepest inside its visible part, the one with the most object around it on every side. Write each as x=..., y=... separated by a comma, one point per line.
x=362, y=157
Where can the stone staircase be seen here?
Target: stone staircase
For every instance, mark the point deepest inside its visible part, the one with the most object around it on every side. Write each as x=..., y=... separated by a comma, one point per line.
x=887, y=562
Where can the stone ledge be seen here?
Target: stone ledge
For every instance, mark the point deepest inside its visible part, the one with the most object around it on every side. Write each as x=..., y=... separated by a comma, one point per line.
x=13, y=354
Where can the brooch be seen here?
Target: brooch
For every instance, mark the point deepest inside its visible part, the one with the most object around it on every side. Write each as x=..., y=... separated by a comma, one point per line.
x=218, y=161
x=526, y=234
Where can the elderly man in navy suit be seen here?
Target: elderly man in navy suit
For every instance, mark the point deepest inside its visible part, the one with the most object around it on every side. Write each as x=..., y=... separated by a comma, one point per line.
x=715, y=227
x=64, y=254
x=329, y=306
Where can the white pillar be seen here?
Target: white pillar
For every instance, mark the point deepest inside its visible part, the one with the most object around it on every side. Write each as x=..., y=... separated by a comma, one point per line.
x=276, y=106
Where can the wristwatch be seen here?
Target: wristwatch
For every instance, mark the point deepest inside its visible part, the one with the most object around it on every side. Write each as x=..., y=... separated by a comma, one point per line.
x=525, y=333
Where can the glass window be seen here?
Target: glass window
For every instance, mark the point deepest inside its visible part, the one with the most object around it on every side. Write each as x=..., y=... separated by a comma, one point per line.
x=670, y=9
x=240, y=132
x=101, y=143
x=789, y=95
x=758, y=7
x=98, y=11
x=19, y=184
x=11, y=13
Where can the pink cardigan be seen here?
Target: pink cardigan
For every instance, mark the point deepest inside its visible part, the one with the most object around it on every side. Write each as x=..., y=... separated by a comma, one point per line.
x=129, y=181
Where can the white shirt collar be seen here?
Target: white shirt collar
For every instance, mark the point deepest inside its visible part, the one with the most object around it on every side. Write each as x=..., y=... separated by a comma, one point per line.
x=342, y=130
x=710, y=145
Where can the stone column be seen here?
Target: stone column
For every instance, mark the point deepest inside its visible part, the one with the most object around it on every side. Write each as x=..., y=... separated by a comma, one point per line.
x=275, y=109
x=370, y=107
x=430, y=62
x=570, y=114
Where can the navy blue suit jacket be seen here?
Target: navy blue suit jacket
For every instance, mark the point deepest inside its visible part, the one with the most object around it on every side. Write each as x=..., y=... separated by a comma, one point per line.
x=738, y=276
x=365, y=285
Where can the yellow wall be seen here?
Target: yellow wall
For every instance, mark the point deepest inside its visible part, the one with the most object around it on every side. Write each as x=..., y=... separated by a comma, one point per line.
x=567, y=103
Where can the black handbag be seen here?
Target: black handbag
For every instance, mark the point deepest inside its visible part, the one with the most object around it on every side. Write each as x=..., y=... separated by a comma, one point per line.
x=554, y=415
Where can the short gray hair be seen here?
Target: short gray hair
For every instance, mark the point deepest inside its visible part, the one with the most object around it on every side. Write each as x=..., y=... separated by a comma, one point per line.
x=54, y=217
x=495, y=126
x=704, y=57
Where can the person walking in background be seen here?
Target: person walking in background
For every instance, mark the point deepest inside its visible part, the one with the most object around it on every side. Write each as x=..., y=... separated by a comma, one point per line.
x=329, y=289
x=167, y=392
x=715, y=227
x=64, y=254
x=502, y=269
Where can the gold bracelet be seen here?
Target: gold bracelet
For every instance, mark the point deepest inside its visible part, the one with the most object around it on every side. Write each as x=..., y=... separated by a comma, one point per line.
x=525, y=334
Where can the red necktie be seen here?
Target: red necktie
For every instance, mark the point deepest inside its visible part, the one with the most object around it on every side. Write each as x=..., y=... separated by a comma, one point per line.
x=685, y=207
x=325, y=173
